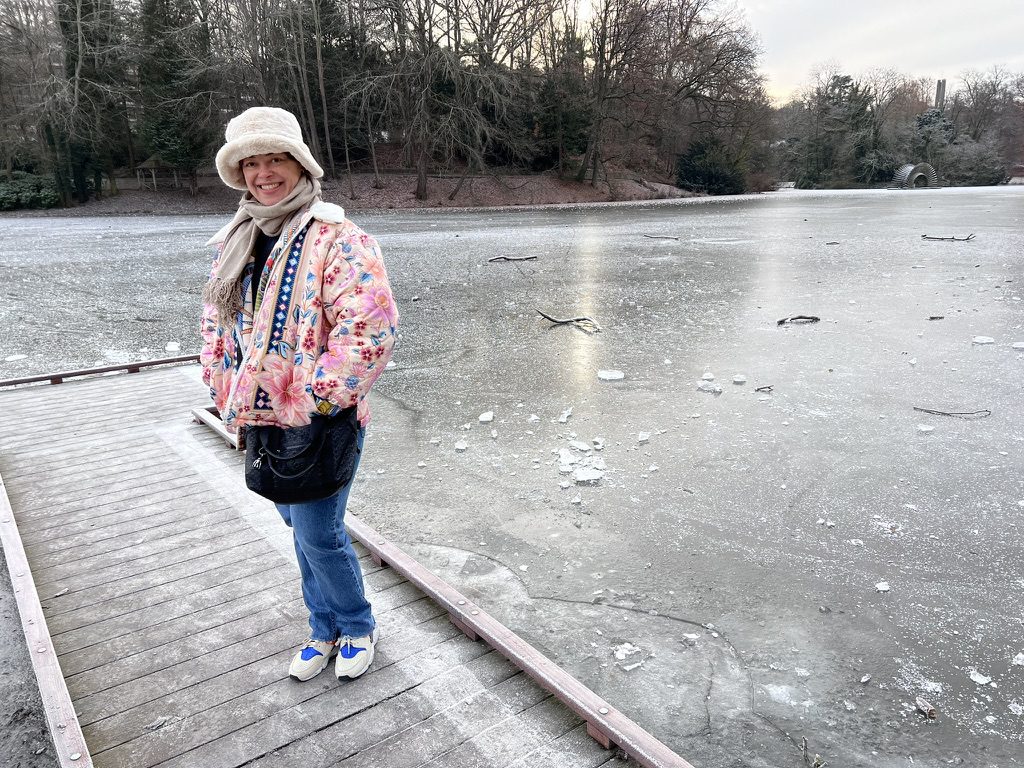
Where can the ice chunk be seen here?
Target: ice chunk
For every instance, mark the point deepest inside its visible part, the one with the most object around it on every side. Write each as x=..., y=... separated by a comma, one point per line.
x=925, y=428
x=643, y=437
x=486, y=417
x=14, y=358
x=579, y=445
x=739, y=378
x=707, y=386
x=882, y=586
x=1018, y=660
x=565, y=456
x=610, y=375
x=624, y=651
x=708, y=376
x=983, y=340
x=461, y=446
x=587, y=476
x=1018, y=345
x=172, y=346
x=979, y=678
x=598, y=443
x=564, y=417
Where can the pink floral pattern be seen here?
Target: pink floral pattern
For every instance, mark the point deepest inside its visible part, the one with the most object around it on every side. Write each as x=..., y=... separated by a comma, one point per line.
x=339, y=336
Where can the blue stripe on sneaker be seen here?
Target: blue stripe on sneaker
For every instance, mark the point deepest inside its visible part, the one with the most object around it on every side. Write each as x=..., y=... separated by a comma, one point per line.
x=349, y=651
x=309, y=653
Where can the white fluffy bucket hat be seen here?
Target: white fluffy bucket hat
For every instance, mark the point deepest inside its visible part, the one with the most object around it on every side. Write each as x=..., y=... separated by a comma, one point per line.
x=262, y=131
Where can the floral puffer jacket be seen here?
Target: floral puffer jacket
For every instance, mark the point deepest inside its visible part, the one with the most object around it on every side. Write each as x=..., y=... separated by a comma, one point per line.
x=324, y=342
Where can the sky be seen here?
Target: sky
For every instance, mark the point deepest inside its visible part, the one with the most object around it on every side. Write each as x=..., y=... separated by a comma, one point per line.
x=936, y=39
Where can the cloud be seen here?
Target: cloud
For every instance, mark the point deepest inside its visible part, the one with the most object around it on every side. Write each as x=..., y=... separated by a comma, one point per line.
x=935, y=39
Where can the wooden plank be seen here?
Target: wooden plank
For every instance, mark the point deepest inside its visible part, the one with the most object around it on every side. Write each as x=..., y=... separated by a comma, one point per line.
x=60, y=713
x=86, y=498
x=130, y=415
x=448, y=728
x=42, y=530
x=146, y=461
x=24, y=404
x=413, y=657
x=509, y=738
x=223, y=535
x=210, y=416
x=603, y=718
x=94, y=451
x=126, y=607
x=136, y=541
x=189, y=662
x=152, y=617
x=76, y=661
x=574, y=749
x=147, y=522
x=257, y=662
x=71, y=598
x=125, y=500
x=119, y=367
x=185, y=626
x=363, y=730
x=103, y=692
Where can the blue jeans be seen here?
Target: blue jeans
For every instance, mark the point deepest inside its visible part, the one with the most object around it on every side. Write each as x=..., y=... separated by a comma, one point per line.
x=332, y=582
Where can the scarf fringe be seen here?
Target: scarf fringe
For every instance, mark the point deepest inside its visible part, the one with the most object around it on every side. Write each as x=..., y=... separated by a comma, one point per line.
x=225, y=296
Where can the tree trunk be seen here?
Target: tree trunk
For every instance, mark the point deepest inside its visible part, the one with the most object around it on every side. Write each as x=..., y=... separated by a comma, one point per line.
x=348, y=162
x=323, y=95
x=313, y=134
x=462, y=178
x=421, y=175
x=377, y=182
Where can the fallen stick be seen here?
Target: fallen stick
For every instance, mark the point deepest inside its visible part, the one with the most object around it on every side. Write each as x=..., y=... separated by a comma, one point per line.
x=511, y=258
x=926, y=708
x=798, y=319
x=958, y=414
x=583, y=323
x=662, y=237
x=952, y=238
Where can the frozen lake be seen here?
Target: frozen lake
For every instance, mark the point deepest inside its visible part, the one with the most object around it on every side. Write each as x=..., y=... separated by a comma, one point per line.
x=771, y=515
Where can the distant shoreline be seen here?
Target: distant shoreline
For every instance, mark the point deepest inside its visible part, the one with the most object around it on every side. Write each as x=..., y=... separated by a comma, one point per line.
x=396, y=193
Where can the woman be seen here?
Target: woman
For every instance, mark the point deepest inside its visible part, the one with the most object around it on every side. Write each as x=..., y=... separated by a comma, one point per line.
x=298, y=323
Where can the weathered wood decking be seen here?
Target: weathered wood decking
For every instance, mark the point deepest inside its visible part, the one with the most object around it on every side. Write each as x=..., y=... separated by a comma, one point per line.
x=173, y=604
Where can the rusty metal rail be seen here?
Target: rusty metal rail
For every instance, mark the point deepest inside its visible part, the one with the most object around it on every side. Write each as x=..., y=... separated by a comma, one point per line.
x=57, y=378
x=605, y=724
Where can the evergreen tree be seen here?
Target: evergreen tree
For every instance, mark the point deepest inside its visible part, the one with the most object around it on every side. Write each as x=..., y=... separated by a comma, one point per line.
x=707, y=167
x=179, y=121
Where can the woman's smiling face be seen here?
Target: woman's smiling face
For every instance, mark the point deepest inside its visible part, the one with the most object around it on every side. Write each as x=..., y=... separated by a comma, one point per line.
x=271, y=178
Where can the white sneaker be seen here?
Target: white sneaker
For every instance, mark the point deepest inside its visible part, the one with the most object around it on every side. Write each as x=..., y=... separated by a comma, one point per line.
x=312, y=659
x=355, y=655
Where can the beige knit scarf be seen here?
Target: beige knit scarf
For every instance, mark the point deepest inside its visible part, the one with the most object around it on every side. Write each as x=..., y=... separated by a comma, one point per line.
x=224, y=289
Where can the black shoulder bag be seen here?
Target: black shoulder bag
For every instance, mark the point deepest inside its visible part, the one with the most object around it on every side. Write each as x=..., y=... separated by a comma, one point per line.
x=299, y=464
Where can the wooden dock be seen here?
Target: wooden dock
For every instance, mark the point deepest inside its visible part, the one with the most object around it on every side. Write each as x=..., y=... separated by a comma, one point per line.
x=169, y=596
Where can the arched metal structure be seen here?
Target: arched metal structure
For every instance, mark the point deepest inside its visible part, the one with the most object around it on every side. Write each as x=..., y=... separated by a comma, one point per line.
x=911, y=176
